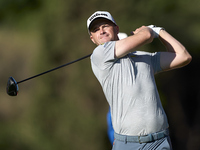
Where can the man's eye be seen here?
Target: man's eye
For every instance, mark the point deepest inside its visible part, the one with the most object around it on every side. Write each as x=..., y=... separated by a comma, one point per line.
x=95, y=30
x=106, y=25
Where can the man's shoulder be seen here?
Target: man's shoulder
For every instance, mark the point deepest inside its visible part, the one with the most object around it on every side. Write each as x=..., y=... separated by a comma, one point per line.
x=106, y=44
x=104, y=47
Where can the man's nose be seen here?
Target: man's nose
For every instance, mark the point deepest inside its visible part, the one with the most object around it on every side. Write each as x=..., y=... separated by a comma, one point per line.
x=101, y=30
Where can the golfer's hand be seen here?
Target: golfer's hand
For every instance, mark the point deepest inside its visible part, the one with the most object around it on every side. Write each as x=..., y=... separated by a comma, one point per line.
x=140, y=29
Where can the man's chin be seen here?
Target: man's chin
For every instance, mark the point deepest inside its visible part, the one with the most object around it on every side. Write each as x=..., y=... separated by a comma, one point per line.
x=105, y=40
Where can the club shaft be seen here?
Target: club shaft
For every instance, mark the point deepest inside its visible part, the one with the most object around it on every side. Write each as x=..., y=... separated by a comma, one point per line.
x=54, y=69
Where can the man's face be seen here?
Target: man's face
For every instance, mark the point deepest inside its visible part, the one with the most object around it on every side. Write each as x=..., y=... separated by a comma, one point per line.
x=103, y=30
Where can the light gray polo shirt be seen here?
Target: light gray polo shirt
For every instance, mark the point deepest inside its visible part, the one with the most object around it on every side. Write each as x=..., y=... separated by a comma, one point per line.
x=130, y=89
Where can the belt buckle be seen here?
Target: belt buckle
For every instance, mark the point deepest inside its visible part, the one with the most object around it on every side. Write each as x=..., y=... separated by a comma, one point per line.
x=139, y=140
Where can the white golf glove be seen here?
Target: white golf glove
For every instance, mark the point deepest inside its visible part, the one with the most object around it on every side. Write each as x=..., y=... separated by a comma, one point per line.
x=156, y=30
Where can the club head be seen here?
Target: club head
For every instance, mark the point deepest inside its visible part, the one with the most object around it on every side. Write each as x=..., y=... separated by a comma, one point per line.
x=12, y=87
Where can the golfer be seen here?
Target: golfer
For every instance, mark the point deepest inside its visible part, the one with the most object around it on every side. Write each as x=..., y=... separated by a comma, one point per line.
x=127, y=79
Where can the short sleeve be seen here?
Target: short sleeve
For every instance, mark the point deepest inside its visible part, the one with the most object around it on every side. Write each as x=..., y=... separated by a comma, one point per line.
x=103, y=55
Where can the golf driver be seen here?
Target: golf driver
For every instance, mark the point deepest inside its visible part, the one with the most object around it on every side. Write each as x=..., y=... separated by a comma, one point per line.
x=12, y=86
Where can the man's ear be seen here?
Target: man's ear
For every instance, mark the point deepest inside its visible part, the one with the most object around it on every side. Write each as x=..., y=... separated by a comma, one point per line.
x=91, y=37
x=117, y=29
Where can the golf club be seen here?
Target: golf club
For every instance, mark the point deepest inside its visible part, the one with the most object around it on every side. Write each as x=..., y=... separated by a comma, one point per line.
x=12, y=86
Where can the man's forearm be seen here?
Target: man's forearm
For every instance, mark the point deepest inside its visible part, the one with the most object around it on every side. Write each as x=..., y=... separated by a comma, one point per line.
x=141, y=36
x=177, y=57
x=171, y=44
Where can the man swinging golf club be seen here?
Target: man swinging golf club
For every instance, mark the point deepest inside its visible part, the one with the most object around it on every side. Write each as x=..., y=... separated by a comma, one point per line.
x=127, y=80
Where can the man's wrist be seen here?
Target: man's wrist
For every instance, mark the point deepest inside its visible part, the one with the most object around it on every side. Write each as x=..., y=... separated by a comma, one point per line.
x=157, y=30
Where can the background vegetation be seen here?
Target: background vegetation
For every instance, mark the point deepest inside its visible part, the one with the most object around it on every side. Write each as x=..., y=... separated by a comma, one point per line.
x=66, y=109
